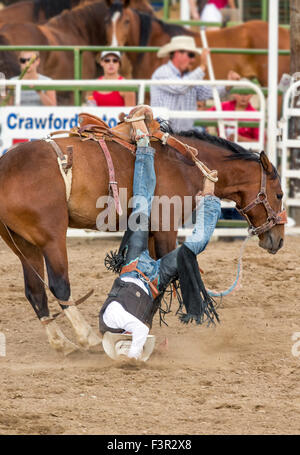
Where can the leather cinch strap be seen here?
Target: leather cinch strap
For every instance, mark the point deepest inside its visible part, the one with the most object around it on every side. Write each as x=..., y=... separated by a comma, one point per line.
x=113, y=185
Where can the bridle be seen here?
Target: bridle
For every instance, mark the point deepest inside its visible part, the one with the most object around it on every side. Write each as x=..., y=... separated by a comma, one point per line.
x=273, y=217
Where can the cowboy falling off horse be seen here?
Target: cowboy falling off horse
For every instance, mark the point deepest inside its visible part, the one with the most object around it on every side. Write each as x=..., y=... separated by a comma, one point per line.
x=126, y=316
x=55, y=183
x=136, y=295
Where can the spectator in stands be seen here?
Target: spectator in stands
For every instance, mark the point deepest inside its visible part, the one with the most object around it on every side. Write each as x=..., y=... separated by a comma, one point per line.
x=240, y=102
x=209, y=10
x=110, y=62
x=29, y=63
x=182, y=51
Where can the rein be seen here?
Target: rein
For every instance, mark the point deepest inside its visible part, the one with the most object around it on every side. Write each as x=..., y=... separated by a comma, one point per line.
x=273, y=217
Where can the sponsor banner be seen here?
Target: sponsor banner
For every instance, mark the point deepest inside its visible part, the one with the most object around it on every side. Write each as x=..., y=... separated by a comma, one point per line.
x=27, y=123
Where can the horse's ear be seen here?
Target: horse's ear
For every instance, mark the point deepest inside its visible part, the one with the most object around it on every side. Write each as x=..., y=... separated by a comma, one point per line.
x=266, y=163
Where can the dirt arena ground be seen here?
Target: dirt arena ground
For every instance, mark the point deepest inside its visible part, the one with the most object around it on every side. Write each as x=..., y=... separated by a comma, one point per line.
x=239, y=378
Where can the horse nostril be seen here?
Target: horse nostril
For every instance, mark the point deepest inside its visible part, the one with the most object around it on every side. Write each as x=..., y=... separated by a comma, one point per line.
x=280, y=243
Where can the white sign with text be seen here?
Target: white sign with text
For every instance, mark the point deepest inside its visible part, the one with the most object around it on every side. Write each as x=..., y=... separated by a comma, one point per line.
x=26, y=123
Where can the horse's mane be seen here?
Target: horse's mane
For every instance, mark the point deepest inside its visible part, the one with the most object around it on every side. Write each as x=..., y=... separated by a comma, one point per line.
x=50, y=7
x=236, y=151
x=146, y=23
x=80, y=20
x=173, y=29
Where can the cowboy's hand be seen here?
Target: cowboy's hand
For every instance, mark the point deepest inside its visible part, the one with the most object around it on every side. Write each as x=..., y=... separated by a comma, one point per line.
x=233, y=76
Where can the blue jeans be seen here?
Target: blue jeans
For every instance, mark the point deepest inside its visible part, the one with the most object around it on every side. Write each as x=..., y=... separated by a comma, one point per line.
x=208, y=213
x=144, y=182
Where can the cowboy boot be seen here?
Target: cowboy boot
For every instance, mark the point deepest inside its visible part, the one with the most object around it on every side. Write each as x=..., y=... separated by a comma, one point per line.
x=139, y=118
x=168, y=269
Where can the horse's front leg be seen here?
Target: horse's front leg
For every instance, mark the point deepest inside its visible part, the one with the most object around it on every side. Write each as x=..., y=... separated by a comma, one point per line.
x=55, y=255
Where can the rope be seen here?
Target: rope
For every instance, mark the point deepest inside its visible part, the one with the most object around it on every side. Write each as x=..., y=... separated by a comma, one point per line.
x=205, y=171
x=237, y=282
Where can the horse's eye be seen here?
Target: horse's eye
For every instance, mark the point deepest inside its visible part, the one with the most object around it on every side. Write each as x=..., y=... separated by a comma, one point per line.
x=279, y=196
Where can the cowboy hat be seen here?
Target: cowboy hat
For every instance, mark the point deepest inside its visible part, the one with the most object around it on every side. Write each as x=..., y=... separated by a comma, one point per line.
x=116, y=344
x=179, y=43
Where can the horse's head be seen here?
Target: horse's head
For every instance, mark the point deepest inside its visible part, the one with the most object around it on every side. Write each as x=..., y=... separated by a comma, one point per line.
x=263, y=208
x=121, y=24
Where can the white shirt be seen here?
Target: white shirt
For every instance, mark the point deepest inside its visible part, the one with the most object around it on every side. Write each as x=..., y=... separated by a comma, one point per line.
x=116, y=317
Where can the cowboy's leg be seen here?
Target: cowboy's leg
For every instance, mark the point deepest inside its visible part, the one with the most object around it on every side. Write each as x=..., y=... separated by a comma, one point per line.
x=207, y=214
x=144, y=182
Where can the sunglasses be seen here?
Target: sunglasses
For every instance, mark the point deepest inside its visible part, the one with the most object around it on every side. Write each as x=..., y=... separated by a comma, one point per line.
x=190, y=54
x=24, y=60
x=109, y=60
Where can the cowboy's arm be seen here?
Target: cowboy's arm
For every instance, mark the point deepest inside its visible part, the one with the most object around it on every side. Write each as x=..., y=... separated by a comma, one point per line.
x=48, y=98
x=177, y=89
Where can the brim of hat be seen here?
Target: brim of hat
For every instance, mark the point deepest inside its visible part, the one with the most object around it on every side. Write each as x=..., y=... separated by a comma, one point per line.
x=166, y=50
x=116, y=344
x=106, y=53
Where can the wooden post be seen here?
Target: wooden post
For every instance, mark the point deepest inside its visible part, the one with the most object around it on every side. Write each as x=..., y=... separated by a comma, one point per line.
x=294, y=132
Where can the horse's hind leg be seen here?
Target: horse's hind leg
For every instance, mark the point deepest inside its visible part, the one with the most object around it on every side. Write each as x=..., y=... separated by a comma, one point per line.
x=33, y=270
x=55, y=255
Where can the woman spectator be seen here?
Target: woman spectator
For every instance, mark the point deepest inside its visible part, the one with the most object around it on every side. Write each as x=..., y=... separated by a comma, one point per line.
x=241, y=102
x=110, y=61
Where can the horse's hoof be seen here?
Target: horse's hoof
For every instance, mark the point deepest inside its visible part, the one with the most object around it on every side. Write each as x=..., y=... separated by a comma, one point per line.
x=94, y=340
x=58, y=341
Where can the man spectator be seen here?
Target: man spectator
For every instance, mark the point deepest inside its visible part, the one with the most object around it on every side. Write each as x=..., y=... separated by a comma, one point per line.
x=182, y=51
x=29, y=63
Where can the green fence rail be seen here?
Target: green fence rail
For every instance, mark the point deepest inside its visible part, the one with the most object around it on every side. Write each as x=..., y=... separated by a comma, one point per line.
x=79, y=50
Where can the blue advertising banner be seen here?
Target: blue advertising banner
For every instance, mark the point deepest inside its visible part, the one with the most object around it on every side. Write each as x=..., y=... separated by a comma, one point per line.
x=23, y=124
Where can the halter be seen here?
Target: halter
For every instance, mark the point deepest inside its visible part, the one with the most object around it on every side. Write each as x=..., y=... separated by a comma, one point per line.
x=261, y=198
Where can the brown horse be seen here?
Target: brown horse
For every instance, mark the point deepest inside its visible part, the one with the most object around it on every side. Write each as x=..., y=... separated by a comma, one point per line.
x=37, y=11
x=35, y=212
x=82, y=25
x=137, y=29
x=40, y=11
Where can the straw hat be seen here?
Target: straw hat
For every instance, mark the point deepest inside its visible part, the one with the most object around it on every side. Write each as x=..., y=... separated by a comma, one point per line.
x=179, y=43
x=116, y=344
